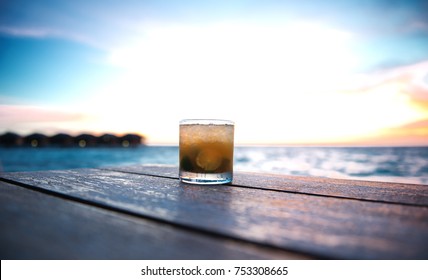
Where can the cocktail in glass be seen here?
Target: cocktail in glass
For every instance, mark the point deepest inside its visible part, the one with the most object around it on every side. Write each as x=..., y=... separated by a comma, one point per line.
x=206, y=151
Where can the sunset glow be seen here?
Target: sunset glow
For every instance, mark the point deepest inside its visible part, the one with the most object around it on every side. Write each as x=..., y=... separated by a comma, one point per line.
x=296, y=81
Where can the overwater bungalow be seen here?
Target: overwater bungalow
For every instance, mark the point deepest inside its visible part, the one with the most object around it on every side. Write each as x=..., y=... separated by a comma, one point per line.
x=85, y=140
x=10, y=139
x=61, y=140
x=36, y=140
x=131, y=140
x=108, y=140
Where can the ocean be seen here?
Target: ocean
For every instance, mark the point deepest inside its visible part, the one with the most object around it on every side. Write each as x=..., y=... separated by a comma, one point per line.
x=386, y=164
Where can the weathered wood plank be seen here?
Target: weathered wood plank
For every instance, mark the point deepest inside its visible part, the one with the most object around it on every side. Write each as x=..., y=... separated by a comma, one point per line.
x=318, y=225
x=39, y=226
x=355, y=189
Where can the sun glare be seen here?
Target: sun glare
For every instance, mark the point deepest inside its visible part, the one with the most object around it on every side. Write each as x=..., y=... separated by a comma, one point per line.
x=229, y=49
x=281, y=82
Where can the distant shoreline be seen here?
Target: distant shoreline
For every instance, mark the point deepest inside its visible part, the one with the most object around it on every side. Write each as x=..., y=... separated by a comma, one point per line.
x=39, y=140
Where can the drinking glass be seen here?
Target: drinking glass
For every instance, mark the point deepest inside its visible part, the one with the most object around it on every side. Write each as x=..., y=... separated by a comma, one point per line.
x=206, y=151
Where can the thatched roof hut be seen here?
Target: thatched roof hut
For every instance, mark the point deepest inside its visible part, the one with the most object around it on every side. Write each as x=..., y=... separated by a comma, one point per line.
x=108, y=140
x=36, y=140
x=85, y=140
x=131, y=140
x=10, y=139
x=61, y=140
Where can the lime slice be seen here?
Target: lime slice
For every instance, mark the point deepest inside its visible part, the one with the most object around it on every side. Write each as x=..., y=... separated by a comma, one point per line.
x=209, y=159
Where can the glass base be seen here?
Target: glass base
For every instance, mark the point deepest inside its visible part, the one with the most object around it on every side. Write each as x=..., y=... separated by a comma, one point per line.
x=206, y=178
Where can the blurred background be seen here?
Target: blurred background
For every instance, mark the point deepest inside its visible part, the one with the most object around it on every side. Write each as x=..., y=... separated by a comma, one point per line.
x=320, y=82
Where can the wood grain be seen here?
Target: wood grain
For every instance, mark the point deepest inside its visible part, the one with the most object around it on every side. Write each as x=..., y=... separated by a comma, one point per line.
x=409, y=194
x=39, y=226
x=322, y=226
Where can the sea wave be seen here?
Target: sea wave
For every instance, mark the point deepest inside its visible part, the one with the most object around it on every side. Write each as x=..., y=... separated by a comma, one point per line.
x=387, y=164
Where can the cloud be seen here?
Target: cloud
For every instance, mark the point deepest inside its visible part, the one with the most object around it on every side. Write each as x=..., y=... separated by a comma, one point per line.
x=31, y=32
x=416, y=125
x=410, y=134
x=415, y=26
x=44, y=33
x=23, y=113
x=23, y=118
x=412, y=79
x=414, y=133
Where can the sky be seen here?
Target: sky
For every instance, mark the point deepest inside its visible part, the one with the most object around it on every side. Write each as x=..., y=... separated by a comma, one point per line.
x=287, y=72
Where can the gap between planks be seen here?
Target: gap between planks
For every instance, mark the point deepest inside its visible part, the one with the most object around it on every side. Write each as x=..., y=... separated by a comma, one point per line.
x=273, y=189
x=216, y=235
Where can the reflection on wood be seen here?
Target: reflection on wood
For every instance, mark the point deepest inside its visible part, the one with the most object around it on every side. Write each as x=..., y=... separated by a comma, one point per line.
x=257, y=216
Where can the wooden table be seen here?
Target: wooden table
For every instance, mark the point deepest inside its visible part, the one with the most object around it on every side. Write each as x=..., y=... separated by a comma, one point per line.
x=144, y=212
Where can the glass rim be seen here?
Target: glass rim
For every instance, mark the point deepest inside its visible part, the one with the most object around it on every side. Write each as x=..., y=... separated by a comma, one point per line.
x=207, y=122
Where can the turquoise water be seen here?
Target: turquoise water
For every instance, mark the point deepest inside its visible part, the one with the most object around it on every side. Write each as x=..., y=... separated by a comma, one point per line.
x=390, y=164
